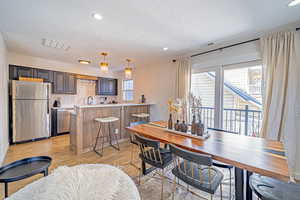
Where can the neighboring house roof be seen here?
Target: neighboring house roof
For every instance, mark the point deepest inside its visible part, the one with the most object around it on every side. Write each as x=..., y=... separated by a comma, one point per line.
x=241, y=93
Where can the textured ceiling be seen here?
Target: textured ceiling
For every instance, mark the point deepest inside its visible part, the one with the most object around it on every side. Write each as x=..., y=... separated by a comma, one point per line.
x=136, y=29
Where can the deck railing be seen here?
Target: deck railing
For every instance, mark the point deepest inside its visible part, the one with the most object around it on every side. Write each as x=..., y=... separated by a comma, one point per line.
x=241, y=121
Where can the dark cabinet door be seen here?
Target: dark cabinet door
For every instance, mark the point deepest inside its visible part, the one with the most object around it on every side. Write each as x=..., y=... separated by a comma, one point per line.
x=19, y=71
x=58, y=83
x=13, y=72
x=46, y=75
x=70, y=83
x=107, y=86
x=113, y=87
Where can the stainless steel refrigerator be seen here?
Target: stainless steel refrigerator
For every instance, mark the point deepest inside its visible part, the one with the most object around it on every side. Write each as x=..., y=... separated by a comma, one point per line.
x=30, y=110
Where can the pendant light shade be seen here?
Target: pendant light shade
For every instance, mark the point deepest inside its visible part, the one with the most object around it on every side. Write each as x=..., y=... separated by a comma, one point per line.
x=128, y=70
x=104, y=63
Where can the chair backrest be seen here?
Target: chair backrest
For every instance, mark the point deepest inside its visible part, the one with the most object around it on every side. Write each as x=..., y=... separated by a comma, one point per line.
x=200, y=159
x=195, y=166
x=137, y=123
x=149, y=149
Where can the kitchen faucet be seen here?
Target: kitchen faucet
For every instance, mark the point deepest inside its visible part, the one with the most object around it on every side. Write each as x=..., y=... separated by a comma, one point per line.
x=90, y=100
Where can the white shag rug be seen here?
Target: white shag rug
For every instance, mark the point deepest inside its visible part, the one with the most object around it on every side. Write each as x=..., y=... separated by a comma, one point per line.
x=81, y=182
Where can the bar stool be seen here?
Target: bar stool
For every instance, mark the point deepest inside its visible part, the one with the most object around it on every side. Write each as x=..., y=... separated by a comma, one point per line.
x=140, y=116
x=109, y=121
x=272, y=189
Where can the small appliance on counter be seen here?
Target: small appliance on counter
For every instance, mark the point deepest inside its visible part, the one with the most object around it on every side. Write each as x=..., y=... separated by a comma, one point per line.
x=143, y=99
x=57, y=103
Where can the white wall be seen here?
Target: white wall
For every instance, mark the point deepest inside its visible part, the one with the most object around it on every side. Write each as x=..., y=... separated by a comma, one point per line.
x=157, y=82
x=3, y=100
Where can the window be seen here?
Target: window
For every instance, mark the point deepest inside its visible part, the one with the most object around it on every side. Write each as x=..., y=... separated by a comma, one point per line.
x=203, y=86
x=231, y=96
x=128, y=90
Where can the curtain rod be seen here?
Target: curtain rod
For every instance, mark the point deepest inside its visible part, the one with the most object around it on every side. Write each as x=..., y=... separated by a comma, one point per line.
x=232, y=45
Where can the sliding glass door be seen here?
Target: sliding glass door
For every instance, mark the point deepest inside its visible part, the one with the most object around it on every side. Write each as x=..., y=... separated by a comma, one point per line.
x=231, y=97
x=242, y=98
x=203, y=85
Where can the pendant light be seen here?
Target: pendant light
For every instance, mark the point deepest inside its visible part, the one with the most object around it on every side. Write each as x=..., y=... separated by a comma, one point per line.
x=128, y=70
x=104, y=64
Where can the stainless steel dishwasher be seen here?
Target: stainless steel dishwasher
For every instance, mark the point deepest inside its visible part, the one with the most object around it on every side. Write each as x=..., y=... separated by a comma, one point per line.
x=63, y=120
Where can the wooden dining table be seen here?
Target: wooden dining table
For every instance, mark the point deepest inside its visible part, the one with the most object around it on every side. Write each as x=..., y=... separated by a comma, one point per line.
x=247, y=154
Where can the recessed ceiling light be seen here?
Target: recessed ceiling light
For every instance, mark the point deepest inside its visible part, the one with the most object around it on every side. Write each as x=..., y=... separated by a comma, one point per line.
x=165, y=48
x=294, y=3
x=85, y=62
x=97, y=16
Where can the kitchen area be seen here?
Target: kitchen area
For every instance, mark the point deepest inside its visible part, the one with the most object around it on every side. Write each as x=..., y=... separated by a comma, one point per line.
x=45, y=103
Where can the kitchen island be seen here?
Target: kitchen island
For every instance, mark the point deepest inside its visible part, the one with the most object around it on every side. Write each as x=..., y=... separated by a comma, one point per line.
x=84, y=128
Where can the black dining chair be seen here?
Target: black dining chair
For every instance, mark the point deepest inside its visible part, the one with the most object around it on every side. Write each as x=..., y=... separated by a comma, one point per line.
x=267, y=188
x=152, y=154
x=134, y=143
x=195, y=169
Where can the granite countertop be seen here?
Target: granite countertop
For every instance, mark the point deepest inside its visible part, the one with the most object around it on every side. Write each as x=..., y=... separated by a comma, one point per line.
x=113, y=105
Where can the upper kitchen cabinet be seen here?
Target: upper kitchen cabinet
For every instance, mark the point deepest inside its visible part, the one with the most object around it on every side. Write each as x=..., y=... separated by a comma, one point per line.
x=58, y=83
x=64, y=83
x=107, y=87
x=19, y=71
x=46, y=75
x=70, y=83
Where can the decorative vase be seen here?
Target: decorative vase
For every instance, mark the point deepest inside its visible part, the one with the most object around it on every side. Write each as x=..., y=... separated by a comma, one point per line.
x=177, y=126
x=170, y=122
x=184, y=127
x=194, y=125
x=200, y=128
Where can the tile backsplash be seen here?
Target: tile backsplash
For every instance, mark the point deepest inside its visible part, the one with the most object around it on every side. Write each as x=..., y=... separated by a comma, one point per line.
x=85, y=88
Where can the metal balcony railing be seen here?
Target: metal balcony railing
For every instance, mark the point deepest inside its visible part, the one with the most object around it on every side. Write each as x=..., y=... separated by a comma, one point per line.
x=240, y=121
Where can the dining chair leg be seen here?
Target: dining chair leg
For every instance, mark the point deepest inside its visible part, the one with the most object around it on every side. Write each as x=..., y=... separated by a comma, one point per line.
x=174, y=188
x=162, y=184
x=140, y=174
x=132, y=155
x=230, y=183
x=221, y=191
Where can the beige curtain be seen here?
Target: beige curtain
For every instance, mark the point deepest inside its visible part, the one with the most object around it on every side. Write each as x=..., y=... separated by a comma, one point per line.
x=182, y=80
x=280, y=54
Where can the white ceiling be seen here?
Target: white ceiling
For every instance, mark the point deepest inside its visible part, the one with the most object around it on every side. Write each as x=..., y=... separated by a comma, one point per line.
x=136, y=29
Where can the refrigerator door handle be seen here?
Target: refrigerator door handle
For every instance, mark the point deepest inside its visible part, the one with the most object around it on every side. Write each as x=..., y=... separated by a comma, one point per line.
x=48, y=91
x=48, y=107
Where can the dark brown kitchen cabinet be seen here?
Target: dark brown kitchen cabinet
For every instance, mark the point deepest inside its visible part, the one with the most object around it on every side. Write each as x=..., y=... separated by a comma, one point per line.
x=19, y=71
x=107, y=87
x=70, y=83
x=46, y=75
x=64, y=83
x=58, y=83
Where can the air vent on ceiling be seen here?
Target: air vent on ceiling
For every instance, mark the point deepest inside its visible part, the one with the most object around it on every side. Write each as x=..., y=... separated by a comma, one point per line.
x=55, y=44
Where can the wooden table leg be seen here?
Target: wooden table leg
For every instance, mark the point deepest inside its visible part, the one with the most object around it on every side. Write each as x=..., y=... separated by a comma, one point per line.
x=5, y=190
x=239, y=183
